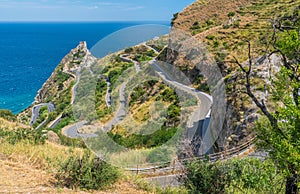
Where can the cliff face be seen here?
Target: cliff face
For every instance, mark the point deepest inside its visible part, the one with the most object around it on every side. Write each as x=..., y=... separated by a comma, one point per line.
x=58, y=88
x=224, y=26
x=64, y=73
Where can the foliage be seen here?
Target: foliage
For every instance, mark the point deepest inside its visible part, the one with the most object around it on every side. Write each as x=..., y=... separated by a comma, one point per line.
x=155, y=139
x=23, y=135
x=100, y=92
x=231, y=14
x=161, y=154
x=115, y=73
x=175, y=15
x=284, y=148
x=128, y=50
x=8, y=115
x=87, y=172
x=143, y=57
x=139, y=95
x=278, y=131
x=43, y=114
x=233, y=176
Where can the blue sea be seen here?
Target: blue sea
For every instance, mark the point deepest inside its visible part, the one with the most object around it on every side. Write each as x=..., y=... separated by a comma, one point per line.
x=29, y=52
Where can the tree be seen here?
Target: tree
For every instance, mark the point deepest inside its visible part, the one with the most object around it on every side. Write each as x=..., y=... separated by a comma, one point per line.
x=278, y=131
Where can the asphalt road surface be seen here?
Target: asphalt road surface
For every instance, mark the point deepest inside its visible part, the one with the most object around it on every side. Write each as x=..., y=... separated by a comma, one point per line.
x=200, y=113
x=36, y=111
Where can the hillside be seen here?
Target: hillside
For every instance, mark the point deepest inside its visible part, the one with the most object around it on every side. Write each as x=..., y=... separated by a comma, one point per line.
x=224, y=27
x=39, y=157
x=58, y=89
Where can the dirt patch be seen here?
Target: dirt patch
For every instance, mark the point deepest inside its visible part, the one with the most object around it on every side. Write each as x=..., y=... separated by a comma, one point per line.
x=17, y=176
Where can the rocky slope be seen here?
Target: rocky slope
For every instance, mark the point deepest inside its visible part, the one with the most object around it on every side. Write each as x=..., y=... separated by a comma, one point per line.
x=58, y=88
x=224, y=26
x=64, y=73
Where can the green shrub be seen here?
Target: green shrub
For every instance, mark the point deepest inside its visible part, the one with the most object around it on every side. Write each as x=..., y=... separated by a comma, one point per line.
x=113, y=75
x=138, y=141
x=242, y=175
x=209, y=22
x=128, y=50
x=20, y=134
x=175, y=15
x=216, y=44
x=226, y=26
x=87, y=172
x=236, y=24
x=161, y=154
x=248, y=25
x=8, y=115
x=231, y=14
x=210, y=37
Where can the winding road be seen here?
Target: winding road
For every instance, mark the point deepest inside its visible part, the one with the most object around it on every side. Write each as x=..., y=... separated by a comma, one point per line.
x=36, y=111
x=205, y=101
x=108, y=93
x=72, y=131
x=88, y=60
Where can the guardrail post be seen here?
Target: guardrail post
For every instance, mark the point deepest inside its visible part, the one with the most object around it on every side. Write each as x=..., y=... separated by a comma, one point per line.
x=225, y=153
x=137, y=169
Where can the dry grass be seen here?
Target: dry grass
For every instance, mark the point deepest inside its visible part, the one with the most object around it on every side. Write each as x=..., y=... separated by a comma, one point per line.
x=251, y=21
x=17, y=176
x=203, y=10
x=11, y=125
x=28, y=168
x=48, y=156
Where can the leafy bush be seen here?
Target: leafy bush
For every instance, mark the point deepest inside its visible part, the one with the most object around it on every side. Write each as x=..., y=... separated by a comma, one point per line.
x=161, y=154
x=144, y=57
x=137, y=141
x=231, y=14
x=203, y=177
x=233, y=176
x=87, y=172
x=210, y=37
x=175, y=15
x=128, y=50
x=236, y=24
x=8, y=115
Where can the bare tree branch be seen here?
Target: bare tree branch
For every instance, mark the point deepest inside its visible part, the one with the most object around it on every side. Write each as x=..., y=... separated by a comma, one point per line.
x=261, y=105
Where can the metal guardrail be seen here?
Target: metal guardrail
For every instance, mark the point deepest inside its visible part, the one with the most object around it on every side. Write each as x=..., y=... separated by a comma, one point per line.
x=175, y=165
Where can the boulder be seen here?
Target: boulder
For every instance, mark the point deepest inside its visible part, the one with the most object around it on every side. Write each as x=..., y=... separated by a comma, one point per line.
x=53, y=137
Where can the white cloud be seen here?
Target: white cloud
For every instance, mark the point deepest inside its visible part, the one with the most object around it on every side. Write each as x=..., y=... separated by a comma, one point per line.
x=93, y=7
x=132, y=8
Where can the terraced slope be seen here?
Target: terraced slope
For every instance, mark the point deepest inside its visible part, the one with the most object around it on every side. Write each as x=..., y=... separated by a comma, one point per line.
x=224, y=26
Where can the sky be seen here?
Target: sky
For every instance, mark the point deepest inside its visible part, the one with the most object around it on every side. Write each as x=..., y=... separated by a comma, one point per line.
x=90, y=10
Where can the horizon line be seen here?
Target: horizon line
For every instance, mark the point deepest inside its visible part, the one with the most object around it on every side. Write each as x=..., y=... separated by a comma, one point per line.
x=79, y=21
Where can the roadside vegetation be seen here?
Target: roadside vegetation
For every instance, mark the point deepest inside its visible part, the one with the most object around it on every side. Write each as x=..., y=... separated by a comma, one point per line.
x=140, y=53
x=73, y=167
x=241, y=34
x=8, y=115
x=140, y=101
x=247, y=175
x=257, y=30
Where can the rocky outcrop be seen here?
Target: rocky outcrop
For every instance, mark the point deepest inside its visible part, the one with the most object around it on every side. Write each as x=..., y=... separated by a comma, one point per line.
x=53, y=137
x=221, y=26
x=65, y=73
x=58, y=88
